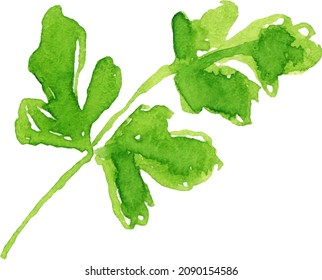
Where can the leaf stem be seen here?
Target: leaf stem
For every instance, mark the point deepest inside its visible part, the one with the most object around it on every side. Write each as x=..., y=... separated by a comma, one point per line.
x=220, y=54
x=58, y=186
x=163, y=72
x=157, y=77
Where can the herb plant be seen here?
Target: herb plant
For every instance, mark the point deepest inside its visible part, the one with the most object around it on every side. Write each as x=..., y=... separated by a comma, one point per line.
x=143, y=142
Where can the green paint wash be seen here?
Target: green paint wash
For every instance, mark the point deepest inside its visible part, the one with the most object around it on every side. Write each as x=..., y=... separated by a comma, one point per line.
x=221, y=90
x=143, y=142
x=174, y=159
x=269, y=49
x=60, y=121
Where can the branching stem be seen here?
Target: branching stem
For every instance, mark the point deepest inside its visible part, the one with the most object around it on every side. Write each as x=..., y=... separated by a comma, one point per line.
x=163, y=72
x=156, y=78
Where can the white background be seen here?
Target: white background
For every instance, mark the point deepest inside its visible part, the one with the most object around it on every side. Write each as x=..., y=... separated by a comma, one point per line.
x=261, y=212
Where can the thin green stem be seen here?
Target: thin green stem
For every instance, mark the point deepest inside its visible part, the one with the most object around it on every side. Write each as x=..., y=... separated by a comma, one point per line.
x=217, y=55
x=58, y=186
x=157, y=77
x=163, y=72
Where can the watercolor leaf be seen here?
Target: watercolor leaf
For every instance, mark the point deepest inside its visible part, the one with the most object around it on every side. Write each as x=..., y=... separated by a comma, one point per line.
x=217, y=23
x=271, y=47
x=210, y=31
x=56, y=64
x=280, y=49
x=222, y=90
x=175, y=160
x=103, y=89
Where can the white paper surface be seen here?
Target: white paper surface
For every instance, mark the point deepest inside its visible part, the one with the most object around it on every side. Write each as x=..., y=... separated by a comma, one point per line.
x=261, y=212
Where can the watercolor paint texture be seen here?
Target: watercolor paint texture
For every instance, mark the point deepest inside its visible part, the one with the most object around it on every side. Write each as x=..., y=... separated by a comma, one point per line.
x=135, y=149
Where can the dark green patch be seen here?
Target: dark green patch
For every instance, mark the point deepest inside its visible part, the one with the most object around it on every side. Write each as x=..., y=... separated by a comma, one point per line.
x=274, y=52
x=229, y=94
x=60, y=121
x=143, y=142
x=270, y=50
x=174, y=159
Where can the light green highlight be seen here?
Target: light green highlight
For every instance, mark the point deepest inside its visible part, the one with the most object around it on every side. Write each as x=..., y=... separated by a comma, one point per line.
x=60, y=121
x=143, y=142
x=269, y=48
x=175, y=160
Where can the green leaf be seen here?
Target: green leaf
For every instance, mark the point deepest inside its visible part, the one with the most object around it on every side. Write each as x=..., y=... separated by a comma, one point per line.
x=56, y=64
x=183, y=37
x=268, y=47
x=53, y=62
x=143, y=142
x=280, y=49
x=210, y=31
x=103, y=89
x=220, y=90
x=216, y=23
x=35, y=125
